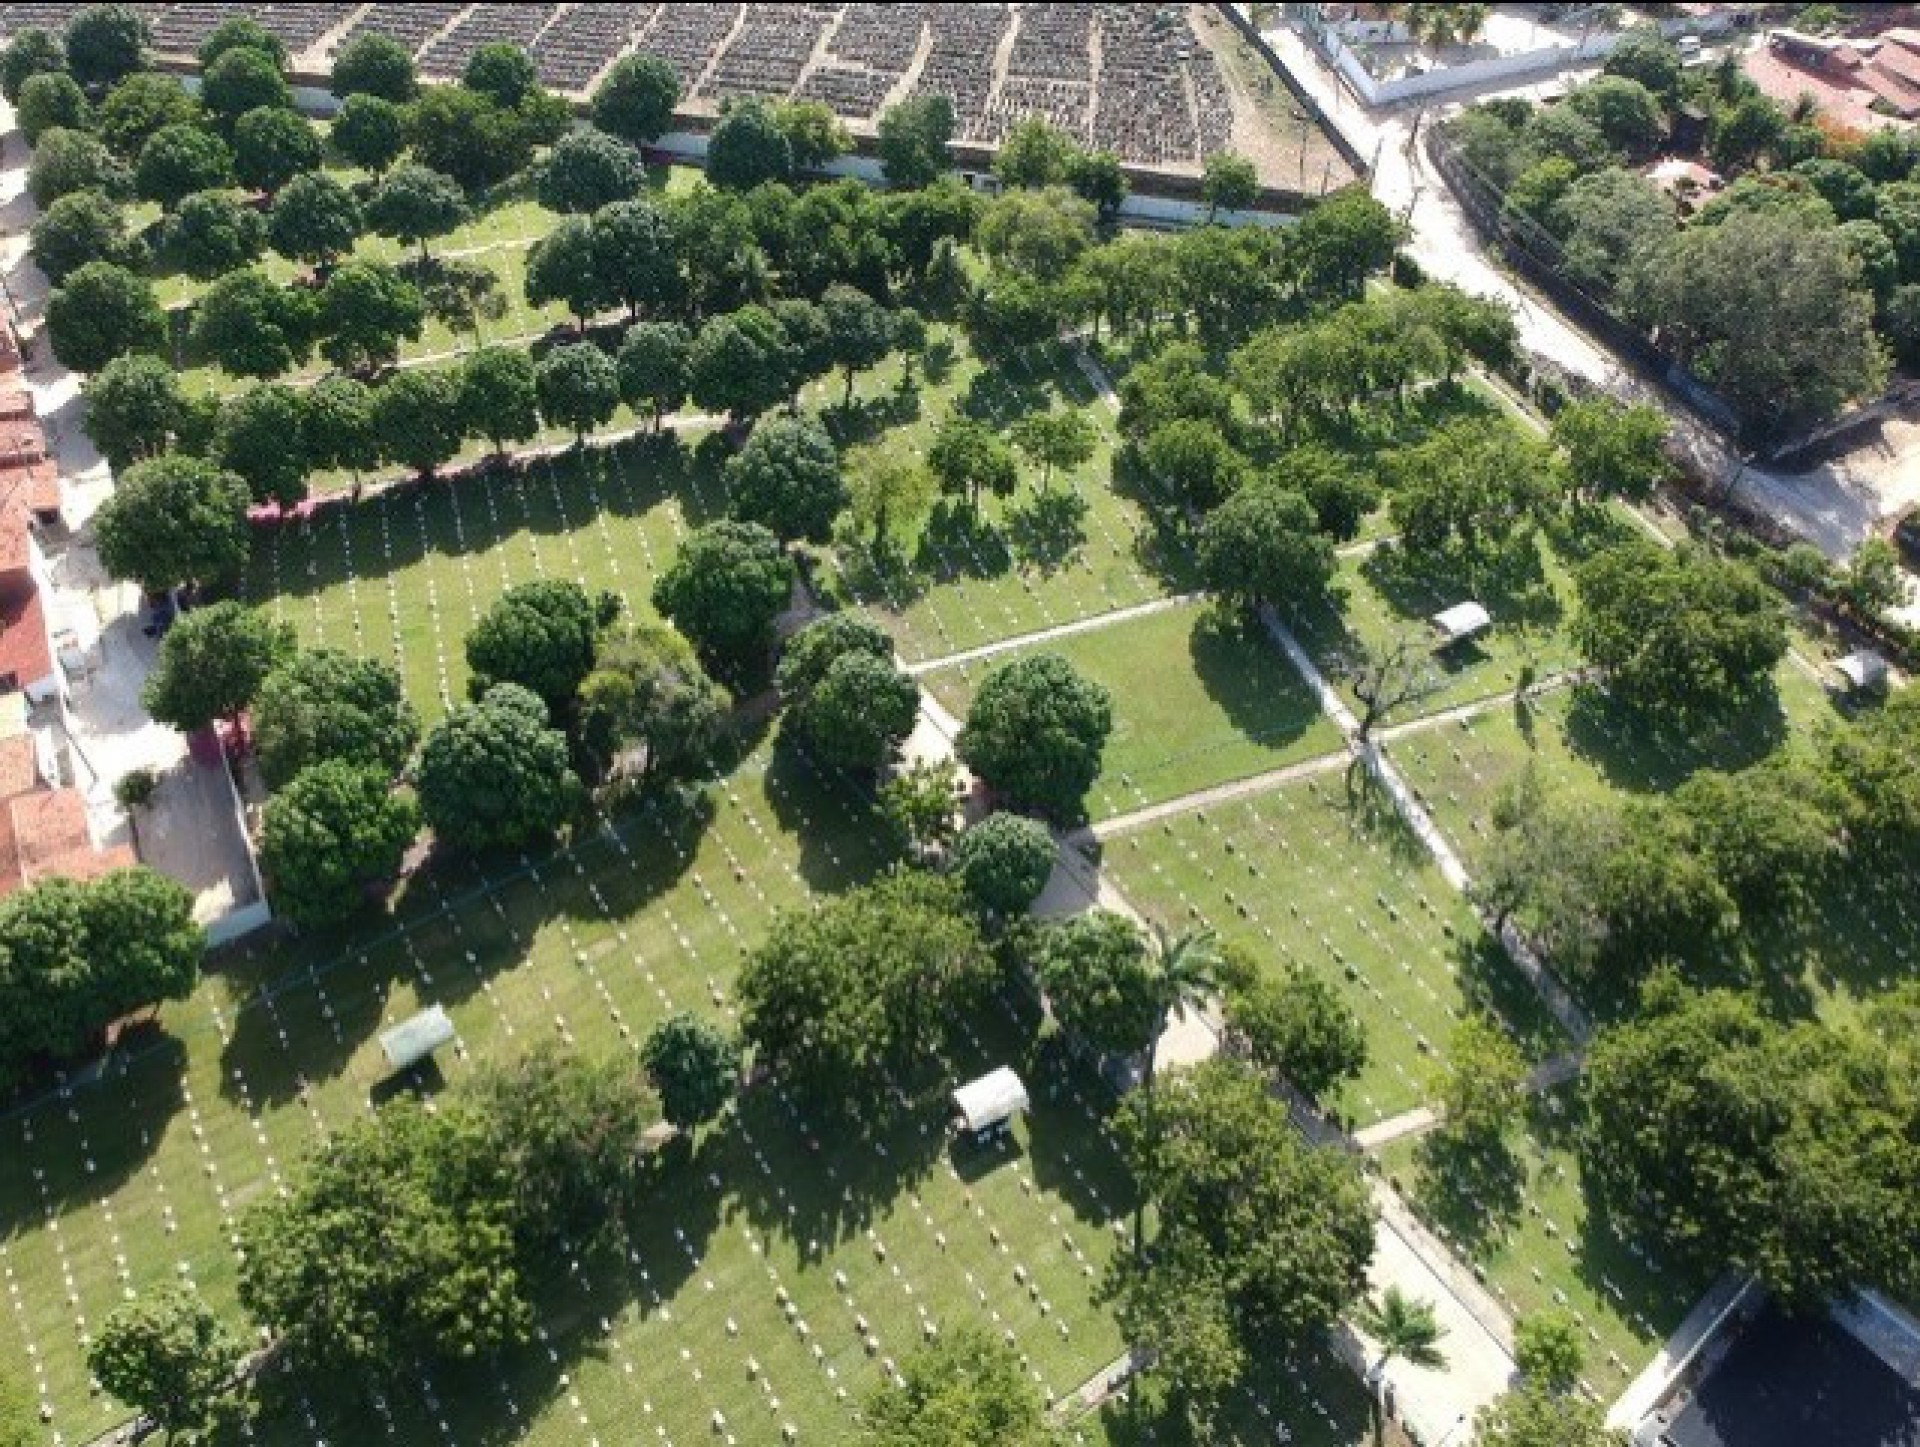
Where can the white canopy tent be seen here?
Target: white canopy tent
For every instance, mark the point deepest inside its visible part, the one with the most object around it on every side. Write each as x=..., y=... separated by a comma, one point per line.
x=989, y=1102
x=1459, y=623
x=412, y=1041
x=1861, y=670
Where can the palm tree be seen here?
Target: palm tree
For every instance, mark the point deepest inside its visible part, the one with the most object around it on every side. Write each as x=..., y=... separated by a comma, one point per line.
x=1405, y=1327
x=1185, y=974
x=1186, y=969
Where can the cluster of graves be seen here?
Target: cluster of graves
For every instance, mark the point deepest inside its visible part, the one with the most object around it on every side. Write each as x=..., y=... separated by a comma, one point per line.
x=1134, y=79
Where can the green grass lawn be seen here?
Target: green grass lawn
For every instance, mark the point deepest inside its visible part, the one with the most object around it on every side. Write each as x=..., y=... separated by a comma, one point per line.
x=403, y=574
x=136, y=1180
x=1195, y=703
x=1296, y=875
x=1525, y=1224
x=965, y=586
x=497, y=238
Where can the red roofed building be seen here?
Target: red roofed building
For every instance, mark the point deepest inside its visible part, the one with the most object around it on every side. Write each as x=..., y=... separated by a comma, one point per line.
x=43, y=830
x=1861, y=84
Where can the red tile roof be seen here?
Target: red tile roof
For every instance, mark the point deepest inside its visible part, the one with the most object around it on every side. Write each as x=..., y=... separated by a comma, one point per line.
x=25, y=654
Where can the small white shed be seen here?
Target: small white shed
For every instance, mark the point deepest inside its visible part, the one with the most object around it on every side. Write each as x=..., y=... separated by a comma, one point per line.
x=1861, y=670
x=1459, y=623
x=412, y=1041
x=989, y=1103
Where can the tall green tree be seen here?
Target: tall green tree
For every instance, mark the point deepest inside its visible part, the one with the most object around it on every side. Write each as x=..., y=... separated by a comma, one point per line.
x=1260, y=1237
x=373, y=64
x=499, y=397
x=542, y=635
x=787, y=478
x=414, y=204
x=578, y=386
x=648, y=693
x=494, y=774
x=250, y=326
x=961, y=1389
x=172, y=521
x=417, y=418
x=694, y=1065
x=1677, y=631
x=913, y=140
x=724, y=588
x=841, y=997
x=100, y=312
x=133, y=409
x=336, y=829
x=1035, y=733
x=168, y=1356
x=80, y=227
x=179, y=160
x=368, y=311
x=212, y=663
x=315, y=219
x=274, y=147
x=322, y=705
x=635, y=98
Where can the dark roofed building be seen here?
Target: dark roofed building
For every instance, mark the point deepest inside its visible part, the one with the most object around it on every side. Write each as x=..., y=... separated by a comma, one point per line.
x=1795, y=1382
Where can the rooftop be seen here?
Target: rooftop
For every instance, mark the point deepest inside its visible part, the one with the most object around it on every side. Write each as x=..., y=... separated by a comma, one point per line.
x=1793, y=1382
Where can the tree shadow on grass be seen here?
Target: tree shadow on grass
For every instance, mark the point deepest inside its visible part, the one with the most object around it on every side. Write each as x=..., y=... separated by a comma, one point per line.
x=307, y=1017
x=650, y=1261
x=121, y=1102
x=957, y=542
x=1048, y=529
x=1249, y=679
x=866, y=418
x=1472, y=1191
x=826, y=814
x=1642, y=754
x=1000, y=395
x=819, y=1182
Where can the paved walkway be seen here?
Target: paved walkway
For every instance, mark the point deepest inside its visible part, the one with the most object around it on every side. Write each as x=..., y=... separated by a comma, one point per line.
x=191, y=831
x=1059, y=630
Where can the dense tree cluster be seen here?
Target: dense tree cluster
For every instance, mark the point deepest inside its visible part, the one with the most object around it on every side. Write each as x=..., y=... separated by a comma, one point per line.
x=415, y=1235
x=1783, y=292
x=1783, y=1148
x=841, y=998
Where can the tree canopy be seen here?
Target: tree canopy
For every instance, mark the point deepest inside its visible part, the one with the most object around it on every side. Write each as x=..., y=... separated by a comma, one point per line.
x=335, y=829
x=323, y=704
x=76, y=956
x=166, y=1355
x=1035, y=734
x=839, y=997
x=102, y=311
x=542, y=635
x=695, y=1067
x=212, y=663
x=172, y=521
x=787, y=479
x=1678, y=631
x=493, y=774
x=1004, y=861
x=724, y=588
x=1261, y=1237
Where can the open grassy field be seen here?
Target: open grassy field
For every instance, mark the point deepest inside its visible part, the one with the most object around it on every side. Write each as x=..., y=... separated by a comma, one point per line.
x=404, y=574
x=1525, y=1224
x=1298, y=876
x=138, y=1178
x=1195, y=703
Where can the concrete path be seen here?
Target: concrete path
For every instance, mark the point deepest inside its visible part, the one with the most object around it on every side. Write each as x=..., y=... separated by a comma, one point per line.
x=1438, y=1404
x=1138, y=819
x=1059, y=630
